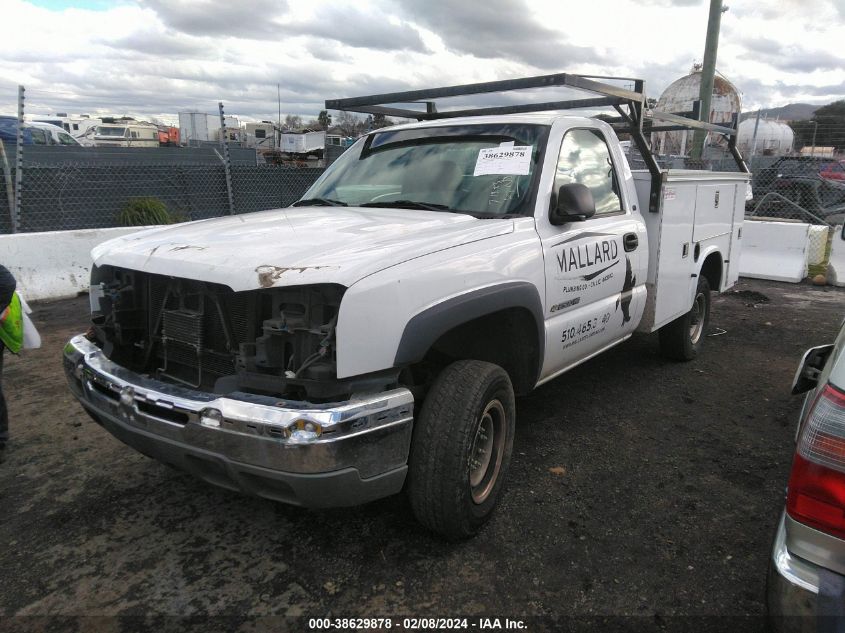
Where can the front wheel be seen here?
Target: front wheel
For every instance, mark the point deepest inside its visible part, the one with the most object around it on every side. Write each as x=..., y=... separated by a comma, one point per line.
x=461, y=448
x=682, y=338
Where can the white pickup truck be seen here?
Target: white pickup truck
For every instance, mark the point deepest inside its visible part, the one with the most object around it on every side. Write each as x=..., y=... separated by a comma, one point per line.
x=372, y=337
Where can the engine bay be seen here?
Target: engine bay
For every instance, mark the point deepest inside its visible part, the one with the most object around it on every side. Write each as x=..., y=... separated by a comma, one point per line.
x=274, y=341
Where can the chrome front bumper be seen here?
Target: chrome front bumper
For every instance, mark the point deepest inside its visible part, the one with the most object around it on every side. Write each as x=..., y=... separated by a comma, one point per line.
x=251, y=444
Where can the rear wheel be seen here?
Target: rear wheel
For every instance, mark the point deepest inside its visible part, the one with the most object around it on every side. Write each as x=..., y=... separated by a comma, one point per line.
x=682, y=338
x=461, y=448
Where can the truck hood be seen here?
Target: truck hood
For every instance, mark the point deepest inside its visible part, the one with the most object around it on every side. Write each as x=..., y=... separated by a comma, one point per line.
x=294, y=246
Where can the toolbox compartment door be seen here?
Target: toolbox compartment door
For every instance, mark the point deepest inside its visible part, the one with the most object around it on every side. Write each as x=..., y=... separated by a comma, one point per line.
x=697, y=208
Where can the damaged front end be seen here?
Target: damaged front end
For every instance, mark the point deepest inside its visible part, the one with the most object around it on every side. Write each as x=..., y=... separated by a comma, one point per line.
x=273, y=341
x=239, y=388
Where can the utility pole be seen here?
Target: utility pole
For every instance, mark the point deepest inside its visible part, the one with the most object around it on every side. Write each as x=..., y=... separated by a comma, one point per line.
x=815, y=129
x=708, y=73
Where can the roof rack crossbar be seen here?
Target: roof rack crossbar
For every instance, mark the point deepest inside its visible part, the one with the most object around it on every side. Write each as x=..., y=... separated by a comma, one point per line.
x=597, y=102
x=634, y=118
x=687, y=123
x=565, y=80
x=388, y=111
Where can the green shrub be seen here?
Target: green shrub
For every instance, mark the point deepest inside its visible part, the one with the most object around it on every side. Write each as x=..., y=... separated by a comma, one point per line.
x=146, y=211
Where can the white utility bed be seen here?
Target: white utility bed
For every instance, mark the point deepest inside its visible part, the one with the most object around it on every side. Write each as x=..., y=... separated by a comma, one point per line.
x=700, y=212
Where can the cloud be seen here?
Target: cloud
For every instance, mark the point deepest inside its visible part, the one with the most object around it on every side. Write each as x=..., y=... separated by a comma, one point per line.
x=792, y=58
x=353, y=27
x=154, y=57
x=257, y=20
x=818, y=11
x=672, y=3
x=263, y=20
x=778, y=92
x=156, y=43
x=322, y=50
x=498, y=29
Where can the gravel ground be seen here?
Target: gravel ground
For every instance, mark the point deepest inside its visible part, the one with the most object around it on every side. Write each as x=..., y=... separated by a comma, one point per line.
x=639, y=488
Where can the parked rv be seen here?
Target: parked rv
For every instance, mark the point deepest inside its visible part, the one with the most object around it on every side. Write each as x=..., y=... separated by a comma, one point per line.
x=260, y=135
x=126, y=133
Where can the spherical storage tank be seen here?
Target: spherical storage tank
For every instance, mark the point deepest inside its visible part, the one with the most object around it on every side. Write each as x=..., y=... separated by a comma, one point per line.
x=679, y=97
x=774, y=138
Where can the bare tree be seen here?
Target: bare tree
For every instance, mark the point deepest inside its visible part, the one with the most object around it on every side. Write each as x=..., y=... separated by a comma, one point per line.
x=293, y=122
x=348, y=123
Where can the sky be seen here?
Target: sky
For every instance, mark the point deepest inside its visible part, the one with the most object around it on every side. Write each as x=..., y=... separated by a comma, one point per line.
x=154, y=58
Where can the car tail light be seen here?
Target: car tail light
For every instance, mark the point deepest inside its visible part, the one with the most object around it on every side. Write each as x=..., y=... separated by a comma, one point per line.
x=816, y=494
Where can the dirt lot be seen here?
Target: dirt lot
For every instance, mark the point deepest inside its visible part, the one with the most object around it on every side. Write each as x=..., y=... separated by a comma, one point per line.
x=639, y=487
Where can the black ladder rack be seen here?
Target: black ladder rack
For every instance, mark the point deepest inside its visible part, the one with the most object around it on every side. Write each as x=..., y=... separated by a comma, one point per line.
x=634, y=117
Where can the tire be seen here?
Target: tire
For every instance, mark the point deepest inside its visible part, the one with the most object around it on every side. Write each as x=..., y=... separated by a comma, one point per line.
x=682, y=338
x=453, y=483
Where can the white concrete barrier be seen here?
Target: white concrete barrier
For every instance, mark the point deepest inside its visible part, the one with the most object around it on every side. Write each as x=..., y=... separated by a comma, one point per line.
x=817, y=247
x=53, y=264
x=836, y=269
x=774, y=250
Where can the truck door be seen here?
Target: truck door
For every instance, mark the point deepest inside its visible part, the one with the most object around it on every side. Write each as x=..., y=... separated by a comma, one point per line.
x=596, y=269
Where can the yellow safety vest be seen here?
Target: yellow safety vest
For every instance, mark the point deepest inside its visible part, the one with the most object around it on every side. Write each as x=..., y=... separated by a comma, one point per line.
x=11, y=328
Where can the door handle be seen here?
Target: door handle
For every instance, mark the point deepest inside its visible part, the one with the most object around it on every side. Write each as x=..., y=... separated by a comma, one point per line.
x=630, y=242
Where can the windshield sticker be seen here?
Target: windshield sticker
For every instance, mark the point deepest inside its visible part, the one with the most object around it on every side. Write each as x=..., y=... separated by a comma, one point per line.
x=506, y=159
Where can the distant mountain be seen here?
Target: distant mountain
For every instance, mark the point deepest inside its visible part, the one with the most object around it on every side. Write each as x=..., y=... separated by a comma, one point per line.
x=789, y=112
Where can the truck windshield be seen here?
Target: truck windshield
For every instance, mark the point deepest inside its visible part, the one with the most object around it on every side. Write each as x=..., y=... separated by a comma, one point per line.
x=484, y=169
x=111, y=131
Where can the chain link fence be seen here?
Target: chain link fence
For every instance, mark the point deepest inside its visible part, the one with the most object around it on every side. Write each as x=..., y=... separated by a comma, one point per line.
x=795, y=187
x=88, y=187
x=68, y=172
x=56, y=185
x=81, y=196
x=805, y=188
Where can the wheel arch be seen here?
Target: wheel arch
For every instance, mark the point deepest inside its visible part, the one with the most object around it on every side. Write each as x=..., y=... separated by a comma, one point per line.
x=712, y=268
x=502, y=324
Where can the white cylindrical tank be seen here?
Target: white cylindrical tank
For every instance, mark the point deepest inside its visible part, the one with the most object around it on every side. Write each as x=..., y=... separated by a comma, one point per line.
x=774, y=138
x=679, y=97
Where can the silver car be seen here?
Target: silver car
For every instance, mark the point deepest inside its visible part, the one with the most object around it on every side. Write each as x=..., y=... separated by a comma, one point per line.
x=807, y=568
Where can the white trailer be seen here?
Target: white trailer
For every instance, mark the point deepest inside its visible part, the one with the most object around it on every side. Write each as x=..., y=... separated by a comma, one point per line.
x=303, y=143
x=199, y=127
x=193, y=126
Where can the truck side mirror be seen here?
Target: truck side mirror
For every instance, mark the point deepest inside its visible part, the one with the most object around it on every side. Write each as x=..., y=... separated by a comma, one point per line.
x=574, y=204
